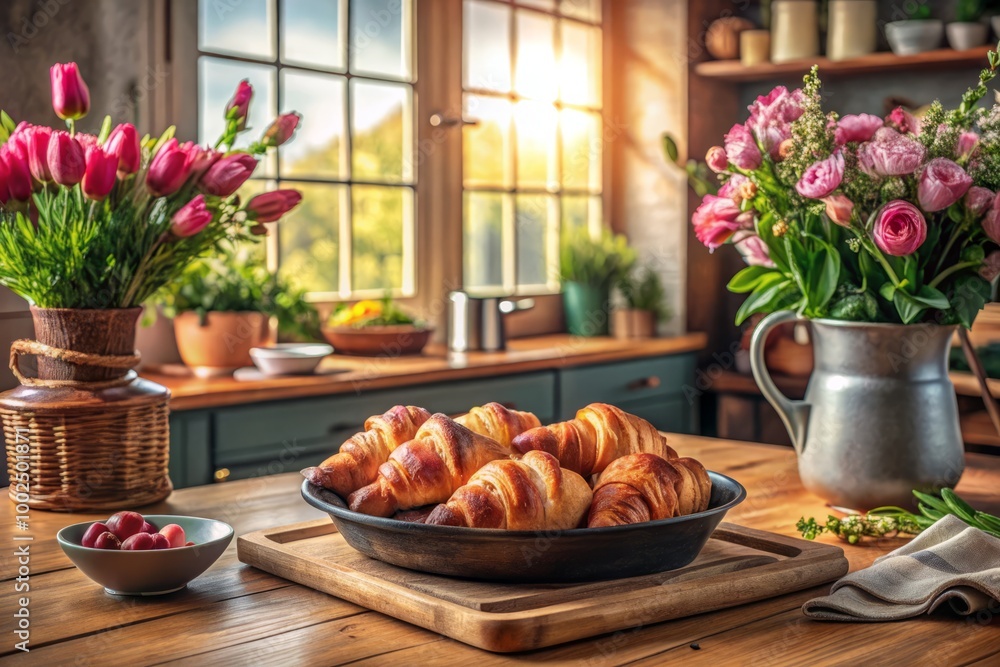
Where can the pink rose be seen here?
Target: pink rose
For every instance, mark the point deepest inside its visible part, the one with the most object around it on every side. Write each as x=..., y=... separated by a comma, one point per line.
x=191, y=218
x=771, y=117
x=966, y=144
x=978, y=200
x=822, y=178
x=731, y=188
x=753, y=249
x=741, y=148
x=716, y=220
x=856, y=128
x=900, y=228
x=890, y=154
x=941, y=184
x=716, y=159
x=904, y=121
x=839, y=209
x=991, y=223
x=991, y=266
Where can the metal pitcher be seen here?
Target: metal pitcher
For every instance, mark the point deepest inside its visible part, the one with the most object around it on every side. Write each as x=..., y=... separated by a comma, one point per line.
x=879, y=418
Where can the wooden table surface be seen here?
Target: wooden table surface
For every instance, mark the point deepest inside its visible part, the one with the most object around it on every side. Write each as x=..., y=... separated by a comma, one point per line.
x=236, y=615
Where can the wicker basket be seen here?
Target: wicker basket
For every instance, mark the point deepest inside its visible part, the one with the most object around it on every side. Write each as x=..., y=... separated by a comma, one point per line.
x=85, y=446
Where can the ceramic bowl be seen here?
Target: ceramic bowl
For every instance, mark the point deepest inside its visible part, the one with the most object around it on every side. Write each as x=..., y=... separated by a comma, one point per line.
x=907, y=38
x=153, y=572
x=387, y=341
x=289, y=358
x=965, y=36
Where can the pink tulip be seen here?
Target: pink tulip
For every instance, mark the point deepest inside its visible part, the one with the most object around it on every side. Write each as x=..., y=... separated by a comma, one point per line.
x=281, y=129
x=18, y=173
x=4, y=182
x=753, y=249
x=36, y=139
x=200, y=157
x=123, y=143
x=856, y=128
x=70, y=95
x=904, y=121
x=191, y=218
x=900, y=228
x=715, y=220
x=941, y=184
x=99, y=177
x=889, y=153
x=85, y=140
x=168, y=170
x=239, y=106
x=839, y=209
x=978, y=200
x=741, y=148
x=822, y=178
x=991, y=266
x=732, y=187
x=227, y=175
x=716, y=159
x=771, y=117
x=270, y=206
x=966, y=144
x=66, y=159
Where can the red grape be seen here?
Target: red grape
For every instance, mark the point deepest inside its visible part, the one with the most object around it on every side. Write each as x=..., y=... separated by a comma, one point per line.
x=138, y=542
x=95, y=530
x=107, y=540
x=174, y=534
x=160, y=542
x=125, y=524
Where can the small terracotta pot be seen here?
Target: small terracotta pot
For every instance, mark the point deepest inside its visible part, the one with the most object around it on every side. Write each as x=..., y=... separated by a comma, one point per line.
x=107, y=331
x=222, y=344
x=633, y=323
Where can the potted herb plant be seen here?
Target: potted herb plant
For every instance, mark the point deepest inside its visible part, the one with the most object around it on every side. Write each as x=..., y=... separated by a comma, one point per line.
x=589, y=267
x=646, y=300
x=966, y=32
x=917, y=33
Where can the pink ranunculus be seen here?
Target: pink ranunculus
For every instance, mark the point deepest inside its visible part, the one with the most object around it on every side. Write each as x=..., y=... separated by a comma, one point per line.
x=856, y=128
x=741, y=148
x=941, y=184
x=19, y=183
x=281, y=129
x=990, y=268
x=979, y=200
x=753, y=249
x=191, y=218
x=731, y=188
x=168, y=170
x=70, y=95
x=36, y=140
x=238, y=107
x=966, y=144
x=904, y=121
x=227, y=175
x=822, y=178
x=716, y=159
x=99, y=177
x=890, y=153
x=771, y=117
x=123, y=143
x=900, y=228
x=839, y=209
x=67, y=162
x=715, y=220
x=271, y=206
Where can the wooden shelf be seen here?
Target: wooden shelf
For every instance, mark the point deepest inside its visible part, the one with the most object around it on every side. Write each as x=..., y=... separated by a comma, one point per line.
x=875, y=63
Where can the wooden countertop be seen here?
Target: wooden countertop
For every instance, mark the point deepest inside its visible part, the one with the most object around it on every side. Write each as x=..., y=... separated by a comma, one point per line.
x=435, y=365
x=237, y=615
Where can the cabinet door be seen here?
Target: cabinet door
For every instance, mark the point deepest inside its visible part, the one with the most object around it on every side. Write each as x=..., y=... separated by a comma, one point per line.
x=638, y=381
x=190, y=448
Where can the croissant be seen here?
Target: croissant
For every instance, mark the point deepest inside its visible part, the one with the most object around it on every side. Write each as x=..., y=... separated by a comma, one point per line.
x=357, y=461
x=532, y=493
x=498, y=422
x=600, y=434
x=645, y=487
x=442, y=456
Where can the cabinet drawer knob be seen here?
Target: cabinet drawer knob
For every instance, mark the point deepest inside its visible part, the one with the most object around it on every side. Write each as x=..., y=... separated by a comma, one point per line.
x=652, y=382
x=222, y=475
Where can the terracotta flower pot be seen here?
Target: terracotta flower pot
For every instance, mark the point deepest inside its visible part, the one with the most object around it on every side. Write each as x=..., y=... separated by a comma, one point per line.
x=633, y=323
x=222, y=343
x=109, y=331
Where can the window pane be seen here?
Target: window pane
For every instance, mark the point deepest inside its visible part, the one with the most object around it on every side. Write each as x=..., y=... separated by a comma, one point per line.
x=574, y=213
x=580, y=69
x=483, y=242
x=381, y=133
x=309, y=235
x=581, y=149
x=316, y=149
x=380, y=214
x=532, y=220
x=245, y=28
x=588, y=10
x=535, y=128
x=541, y=4
x=310, y=33
x=379, y=42
x=217, y=81
x=486, y=145
x=536, y=56
x=487, y=46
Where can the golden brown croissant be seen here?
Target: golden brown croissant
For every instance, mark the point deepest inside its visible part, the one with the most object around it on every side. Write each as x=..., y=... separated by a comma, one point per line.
x=600, y=434
x=441, y=457
x=357, y=461
x=645, y=487
x=532, y=493
x=498, y=422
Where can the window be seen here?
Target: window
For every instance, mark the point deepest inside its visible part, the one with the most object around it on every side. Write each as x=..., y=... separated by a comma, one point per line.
x=347, y=66
x=532, y=162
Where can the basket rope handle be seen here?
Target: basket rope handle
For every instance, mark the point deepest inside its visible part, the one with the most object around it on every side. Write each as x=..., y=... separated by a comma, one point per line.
x=33, y=347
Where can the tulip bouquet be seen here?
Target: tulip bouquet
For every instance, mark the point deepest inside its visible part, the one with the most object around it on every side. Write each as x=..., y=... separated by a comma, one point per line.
x=104, y=221
x=860, y=217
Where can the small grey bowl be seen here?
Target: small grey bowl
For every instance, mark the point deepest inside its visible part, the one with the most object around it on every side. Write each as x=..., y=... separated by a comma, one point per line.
x=154, y=572
x=289, y=358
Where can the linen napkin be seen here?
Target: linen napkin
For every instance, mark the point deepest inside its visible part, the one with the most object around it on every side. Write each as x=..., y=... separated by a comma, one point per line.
x=950, y=562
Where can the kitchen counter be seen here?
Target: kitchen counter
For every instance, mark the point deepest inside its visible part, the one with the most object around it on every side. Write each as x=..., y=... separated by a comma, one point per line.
x=339, y=374
x=237, y=615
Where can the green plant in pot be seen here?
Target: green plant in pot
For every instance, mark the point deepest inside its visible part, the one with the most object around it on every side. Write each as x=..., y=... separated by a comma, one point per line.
x=589, y=267
x=966, y=31
x=645, y=301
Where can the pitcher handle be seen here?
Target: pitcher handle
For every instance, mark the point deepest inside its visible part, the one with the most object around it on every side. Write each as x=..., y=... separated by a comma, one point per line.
x=794, y=414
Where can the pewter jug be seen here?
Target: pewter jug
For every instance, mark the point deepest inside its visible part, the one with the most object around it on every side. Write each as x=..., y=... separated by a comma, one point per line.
x=879, y=417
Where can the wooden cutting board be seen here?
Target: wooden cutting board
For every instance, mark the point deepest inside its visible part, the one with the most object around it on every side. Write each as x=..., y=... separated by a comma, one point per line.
x=737, y=565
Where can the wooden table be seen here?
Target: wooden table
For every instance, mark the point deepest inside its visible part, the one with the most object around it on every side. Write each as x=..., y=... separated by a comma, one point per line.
x=237, y=615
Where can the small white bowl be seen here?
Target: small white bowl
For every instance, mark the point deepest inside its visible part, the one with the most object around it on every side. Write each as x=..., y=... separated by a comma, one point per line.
x=907, y=38
x=289, y=358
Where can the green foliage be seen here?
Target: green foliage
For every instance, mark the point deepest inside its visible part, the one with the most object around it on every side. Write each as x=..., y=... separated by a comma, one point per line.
x=701, y=179
x=643, y=290
x=968, y=11
x=598, y=262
